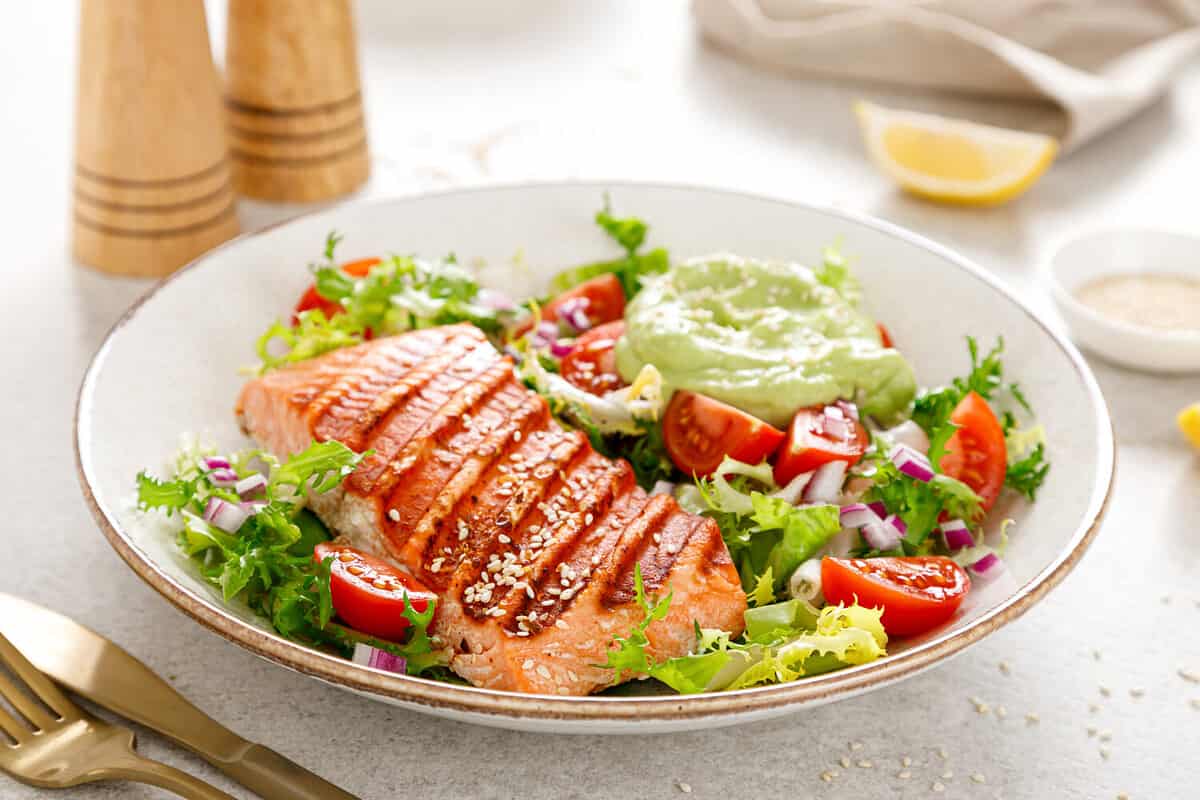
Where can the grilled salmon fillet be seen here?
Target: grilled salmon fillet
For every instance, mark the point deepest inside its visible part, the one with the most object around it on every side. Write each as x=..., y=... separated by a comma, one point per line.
x=527, y=534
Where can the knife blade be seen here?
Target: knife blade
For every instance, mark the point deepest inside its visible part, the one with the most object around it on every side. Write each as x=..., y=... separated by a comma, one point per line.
x=93, y=667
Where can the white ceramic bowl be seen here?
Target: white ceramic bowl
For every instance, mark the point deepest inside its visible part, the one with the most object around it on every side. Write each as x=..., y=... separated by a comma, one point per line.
x=1122, y=251
x=170, y=365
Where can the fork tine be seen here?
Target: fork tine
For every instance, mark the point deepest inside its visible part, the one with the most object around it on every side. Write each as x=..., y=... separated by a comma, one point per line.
x=13, y=727
x=38, y=683
x=23, y=703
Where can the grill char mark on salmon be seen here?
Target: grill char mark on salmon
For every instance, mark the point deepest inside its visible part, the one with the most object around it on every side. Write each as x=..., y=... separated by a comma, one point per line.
x=529, y=537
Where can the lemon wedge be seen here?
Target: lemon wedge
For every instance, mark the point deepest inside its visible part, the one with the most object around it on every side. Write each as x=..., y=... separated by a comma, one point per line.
x=1189, y=423
x=952, y=160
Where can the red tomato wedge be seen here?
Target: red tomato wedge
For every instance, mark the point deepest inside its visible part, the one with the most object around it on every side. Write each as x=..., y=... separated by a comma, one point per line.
x=700, y=431
x=885, y=336
x=976, y=454
x=917, y=593
x=592, y=365
x=817, y=436
x=604, y=302
x=311, y=299
x=368, y=593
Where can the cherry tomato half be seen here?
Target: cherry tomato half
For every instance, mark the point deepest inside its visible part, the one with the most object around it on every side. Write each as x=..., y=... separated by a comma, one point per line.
x=312, y=299
x=368, y=593
x=592, y=365
x=700, y=431
x=819, y=435
x=605, y=302
x=917, y=593
x=976, y=454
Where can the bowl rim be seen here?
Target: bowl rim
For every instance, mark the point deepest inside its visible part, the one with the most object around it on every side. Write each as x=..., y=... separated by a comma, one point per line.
x=1114, y=327
x=452, y=698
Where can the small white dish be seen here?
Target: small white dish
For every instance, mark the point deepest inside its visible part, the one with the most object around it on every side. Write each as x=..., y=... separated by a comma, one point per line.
x=1124, y=251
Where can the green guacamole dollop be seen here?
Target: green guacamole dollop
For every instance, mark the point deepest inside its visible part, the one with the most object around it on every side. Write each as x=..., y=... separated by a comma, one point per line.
x=767, y=337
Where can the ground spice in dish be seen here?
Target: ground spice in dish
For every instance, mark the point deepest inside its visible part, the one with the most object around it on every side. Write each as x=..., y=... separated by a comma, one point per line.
x=1161, y=302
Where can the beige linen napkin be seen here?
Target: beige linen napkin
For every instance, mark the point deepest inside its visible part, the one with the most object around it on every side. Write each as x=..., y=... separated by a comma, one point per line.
x=1097, y=61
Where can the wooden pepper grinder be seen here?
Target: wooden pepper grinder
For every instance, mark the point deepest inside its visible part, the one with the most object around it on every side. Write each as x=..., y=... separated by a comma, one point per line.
x=293, y=100
x=152, y=178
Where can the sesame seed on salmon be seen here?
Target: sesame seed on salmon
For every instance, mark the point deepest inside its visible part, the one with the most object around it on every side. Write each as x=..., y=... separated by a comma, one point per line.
x=529, y=536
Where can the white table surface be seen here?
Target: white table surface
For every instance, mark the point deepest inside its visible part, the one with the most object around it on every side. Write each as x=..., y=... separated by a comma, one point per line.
x=627, y=90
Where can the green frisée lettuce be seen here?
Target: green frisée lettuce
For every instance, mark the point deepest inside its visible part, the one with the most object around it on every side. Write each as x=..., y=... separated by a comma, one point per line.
x=630, y=234
x=621, y=424
x=834, y=271
x=268, y=560
x=629, y=652
x=401, y=293
x=782, y=642
x=919, y=503
x=764, y=532
x=1027, y=465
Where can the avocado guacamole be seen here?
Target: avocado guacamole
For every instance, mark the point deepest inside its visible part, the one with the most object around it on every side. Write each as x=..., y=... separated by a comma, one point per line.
x=766, y=337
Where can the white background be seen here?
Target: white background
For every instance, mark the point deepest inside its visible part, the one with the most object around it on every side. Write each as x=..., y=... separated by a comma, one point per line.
x=467, y=92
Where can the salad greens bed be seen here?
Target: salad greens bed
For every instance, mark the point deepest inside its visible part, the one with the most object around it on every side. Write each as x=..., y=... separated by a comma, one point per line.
x=243, y=520
x=267, y=562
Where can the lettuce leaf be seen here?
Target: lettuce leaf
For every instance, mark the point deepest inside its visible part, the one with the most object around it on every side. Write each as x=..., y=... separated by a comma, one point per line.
x=1027, y=465
x=835, y=273
x=632, y=269
x=803, y=531
x=762, y=530
x=628, y=656
x=268, y=562
x=790, y=640
x=323, y=464
x=764, y=589
x=311, y=336
x=691, y=674
x=920, y=503
x=170, y=496
x=400, y=293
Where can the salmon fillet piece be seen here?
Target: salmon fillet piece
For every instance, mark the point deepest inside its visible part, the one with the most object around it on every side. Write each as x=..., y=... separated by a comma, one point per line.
x=528, y=535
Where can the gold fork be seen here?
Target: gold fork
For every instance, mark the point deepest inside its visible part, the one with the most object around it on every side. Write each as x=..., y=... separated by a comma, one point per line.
x=59, y=744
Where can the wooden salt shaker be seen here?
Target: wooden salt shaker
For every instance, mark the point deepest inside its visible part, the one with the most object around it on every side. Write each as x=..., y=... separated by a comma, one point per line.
x=293, y=100
x=152, y=178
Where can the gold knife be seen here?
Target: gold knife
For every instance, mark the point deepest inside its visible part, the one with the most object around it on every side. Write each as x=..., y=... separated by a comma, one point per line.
x=93, y=667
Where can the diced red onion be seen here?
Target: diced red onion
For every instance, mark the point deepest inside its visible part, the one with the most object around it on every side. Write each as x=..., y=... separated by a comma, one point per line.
x=856, y=486
x=223, y=477
x=379, y=659
x=250, y=485
x=225, y=515
x=880, y=536
x=663, y=487
x=215, y=462
x=574, y=313
x=850, y=409
x=252, y=507
x=826, y=483
x=497, y=301
x=894, y=521
x=987, y=564
x=545, y=334
x=794, y=490
x=911, y=463
x=856, y=515
x=837, y=427
x=879, y=508
x=560, y=348
x=957, y=534
x=910, y=434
